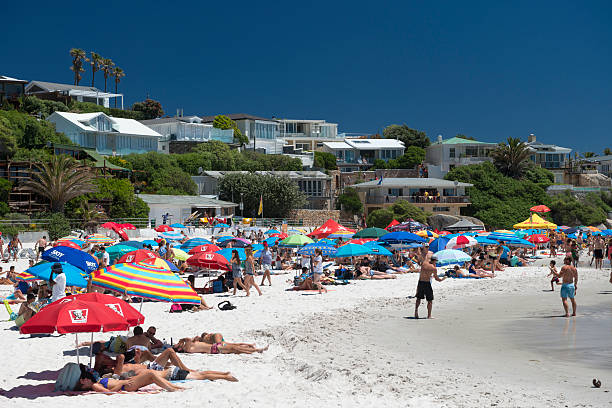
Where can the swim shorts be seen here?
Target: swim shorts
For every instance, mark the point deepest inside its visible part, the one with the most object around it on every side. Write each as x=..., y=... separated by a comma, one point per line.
x=155, y=366
x=424, y=291
x=598, y=253
x=214, y=349
x=176, y=374
x=568, y=290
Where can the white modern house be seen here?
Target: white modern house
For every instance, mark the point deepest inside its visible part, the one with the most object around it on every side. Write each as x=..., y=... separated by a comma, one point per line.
x=307, y=134
x=552, y=157
x=65, y=92
x=356, y=154
x=180, y=208
x=263, y=133
x=444, y=155
x=107, y=135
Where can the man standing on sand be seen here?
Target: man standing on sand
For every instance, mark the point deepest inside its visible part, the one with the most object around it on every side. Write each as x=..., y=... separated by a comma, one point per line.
x=598, y=251
x=41, y=244
x=424, y=289
x=569, y=278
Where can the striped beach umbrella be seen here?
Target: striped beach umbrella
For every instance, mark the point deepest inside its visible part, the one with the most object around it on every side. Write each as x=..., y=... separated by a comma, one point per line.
x=171, y=236
x=97, y=239
x=326, y=249
x=427, y=234
x=76, y=240
x=204, y=248
x=180, y=254
x=26, y=277
x=462, y=241
x=147, y=281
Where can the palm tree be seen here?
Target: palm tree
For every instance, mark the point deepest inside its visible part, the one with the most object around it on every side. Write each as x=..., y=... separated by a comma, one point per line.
x=511, y=159
x=118, y=73
x=78, y=57
x=90, y=217
x=60, y=180
x=106, y=67
x=95, y=59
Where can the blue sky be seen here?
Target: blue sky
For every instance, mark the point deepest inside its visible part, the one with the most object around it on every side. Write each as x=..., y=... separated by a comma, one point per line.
x=485, y=69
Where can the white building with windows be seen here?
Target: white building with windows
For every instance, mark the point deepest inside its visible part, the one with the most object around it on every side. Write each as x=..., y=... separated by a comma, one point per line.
x=444, y=155
x=549, y=156
x=307, y=135
x=357, y=154
x=107, y=135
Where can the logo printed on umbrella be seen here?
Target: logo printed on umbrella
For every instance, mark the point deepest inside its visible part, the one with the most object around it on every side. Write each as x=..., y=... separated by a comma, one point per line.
x=78, y=315
x=57, y=254
x=208, y=256
x=129, y=258
x=116, y=307
x=91, y=264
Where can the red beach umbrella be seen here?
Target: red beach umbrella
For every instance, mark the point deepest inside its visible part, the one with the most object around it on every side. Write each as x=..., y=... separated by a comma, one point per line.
x=209, y=260
x=537, y=238
x=164, y=228
x=540, y=209
x=204, y=248
x=137, y=256
x=127, y=226
x=133, y=316
x=67, y=244
x=109, y=225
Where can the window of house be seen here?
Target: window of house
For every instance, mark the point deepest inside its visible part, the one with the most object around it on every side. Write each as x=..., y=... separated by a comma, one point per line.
x=441, y=209
x=451, y=152
x=471, y=151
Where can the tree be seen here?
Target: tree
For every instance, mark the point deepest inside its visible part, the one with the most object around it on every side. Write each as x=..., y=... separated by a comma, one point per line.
x=349, y=201
x=462, y=136
x=60, y=180
x=224, y=122
x=106, y=66
x=588, y=155
x=29, y=132
x=118, y=74
x=78, y=57
x=380, y=218
x=413, y=156
x=403, y=210
x=150, y=108
x=325, y=160
x=58, y=226
x=5, y=190
x=511, y=158
x=607, y=151
x=410, y=137
x=8, y=139
x=96, y=61
x=160, y=173
x=280, y=194
x=124, y=204
x=569, y=210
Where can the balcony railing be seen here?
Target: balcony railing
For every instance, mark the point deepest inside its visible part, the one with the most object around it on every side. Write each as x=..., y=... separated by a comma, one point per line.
x=418, y=199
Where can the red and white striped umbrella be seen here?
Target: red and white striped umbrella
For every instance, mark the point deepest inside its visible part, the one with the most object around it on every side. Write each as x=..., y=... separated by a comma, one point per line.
x=462, y=241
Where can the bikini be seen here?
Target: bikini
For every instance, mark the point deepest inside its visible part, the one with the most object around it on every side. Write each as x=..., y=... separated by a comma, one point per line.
x=104, y=382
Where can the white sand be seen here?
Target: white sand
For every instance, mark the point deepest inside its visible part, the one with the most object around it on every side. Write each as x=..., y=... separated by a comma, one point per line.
x=354, y=347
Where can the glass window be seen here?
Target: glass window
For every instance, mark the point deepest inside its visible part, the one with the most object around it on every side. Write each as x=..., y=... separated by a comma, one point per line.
x=451, y=152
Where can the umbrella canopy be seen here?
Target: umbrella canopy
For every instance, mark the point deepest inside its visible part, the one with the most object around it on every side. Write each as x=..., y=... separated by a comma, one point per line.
x=520, y=243
x=272, y=231
x=438, y=244
x=118, y=250
x=360, y=241
x=137, y=256
x=235, y=242
x=535, y=221
x=349, y=250
x=462, y=241
x=135, y=244
x=271, y=241
x=194, y=242
x=341, y=235
x=180, y=254
x=280, y=235
x=150, y=242
x=133, y=316
x=75, y=257
x=74, y=275
x=75, y=316
x=76, y=240
x=408, y=225
x=177, y=225
x=99, y=239
x=451, y=256
x=204, y=248
x=227, y=253
x=221, y=225
x=146, y=281
x=392, y=224
x=486, y=241
x=537, y=238
x=171, y=236
x=427, y=234
x=163, y=228
x=209, y=260
x=296, y=240
x=69, y=244
x=161, y=263
x=309, y=249
x=330, y=226
x=26, y=277
x=401, y=237
x=110, y=225
x=540, y=209
x=127, y=226
x=370, y=233
x=379, y=250
x=224, y=238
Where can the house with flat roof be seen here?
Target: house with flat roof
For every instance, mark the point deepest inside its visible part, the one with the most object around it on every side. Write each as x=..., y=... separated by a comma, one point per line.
x=552, y=157
x=182, y=207
x=444, y=155
x=106, y=135
x=433, y=195
x=189, y=130
x=65, y=93
x=307, y=134
x=358, y=154
x=263, y=133
x=11, y=89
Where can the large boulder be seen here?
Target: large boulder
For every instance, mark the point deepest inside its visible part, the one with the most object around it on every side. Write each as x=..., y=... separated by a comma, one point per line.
x=441, y=221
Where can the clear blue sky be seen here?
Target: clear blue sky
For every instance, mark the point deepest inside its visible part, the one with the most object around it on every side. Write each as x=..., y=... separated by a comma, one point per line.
x=484, y=69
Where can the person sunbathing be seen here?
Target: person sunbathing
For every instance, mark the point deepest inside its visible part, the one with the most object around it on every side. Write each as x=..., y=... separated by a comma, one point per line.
x=372, y=274
x=105, y=364
x=132, y=384
x=187, y=345
x=481, y=273
x=306, y=284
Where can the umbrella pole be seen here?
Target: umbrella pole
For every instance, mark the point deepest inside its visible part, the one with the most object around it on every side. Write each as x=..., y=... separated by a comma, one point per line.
x=141, y=300
x=76, y=343
x=90, y=349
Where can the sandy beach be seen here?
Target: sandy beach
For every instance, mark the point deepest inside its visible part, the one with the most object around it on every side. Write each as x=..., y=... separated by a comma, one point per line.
x=492, y=342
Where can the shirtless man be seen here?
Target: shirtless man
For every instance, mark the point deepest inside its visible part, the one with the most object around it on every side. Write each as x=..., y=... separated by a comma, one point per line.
x=150, y=334
x=139, y=342
x=188, y=345
x=569, y=279
x=598, y=251
x=41, y=244
x=424, y=289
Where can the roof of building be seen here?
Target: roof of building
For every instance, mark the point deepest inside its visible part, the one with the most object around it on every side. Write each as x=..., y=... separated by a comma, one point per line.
x=365, y=144
x=89, y=91
x=548, y=147
x=460, y=140
x=186, y=119
x=120, y=125
x=185, y=200
x=606, y=157
x=237, y=116
x=290, y=174
x=411, y=182
x=4, y=78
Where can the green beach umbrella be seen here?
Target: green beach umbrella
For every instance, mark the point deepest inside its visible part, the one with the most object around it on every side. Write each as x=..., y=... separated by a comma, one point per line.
x=371, y=233
x=117, y=251
x=296, y=240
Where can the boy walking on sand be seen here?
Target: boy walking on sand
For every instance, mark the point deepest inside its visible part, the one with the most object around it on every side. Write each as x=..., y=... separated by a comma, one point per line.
x=569, y=277
x=554, y=274
x=424, y=289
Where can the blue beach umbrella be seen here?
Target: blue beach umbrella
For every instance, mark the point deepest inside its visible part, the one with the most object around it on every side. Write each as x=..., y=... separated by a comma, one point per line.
x=194, y=242
x=225, y=238
x=401, y=237
x=378, y=250
x=309, y=249
x=177, y=225
x=171, y=236
x=486, y=240
x=257, y=247
x=227, y=253
x=150, y=242
x=272, y=231
x=349, y=250
x=439, y=244
x=271, y=241
x=326, y=241
x=74, y=257
x=221, y=225
x=451, y=256
x=135, y=244
x=74, y=275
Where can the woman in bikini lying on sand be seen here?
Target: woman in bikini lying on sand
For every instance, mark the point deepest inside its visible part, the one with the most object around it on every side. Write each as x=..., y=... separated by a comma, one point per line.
x=188, y=345
x=86, y=383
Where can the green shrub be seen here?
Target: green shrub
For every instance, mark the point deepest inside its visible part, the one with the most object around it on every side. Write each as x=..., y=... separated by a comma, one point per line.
x=58, y=226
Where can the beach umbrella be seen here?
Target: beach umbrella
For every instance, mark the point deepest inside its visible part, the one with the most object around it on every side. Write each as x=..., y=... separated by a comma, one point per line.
x=427, y=234
x=540, y=209
x=271, y=241
x=224, y=238
x=371, y=233
x=97, y=239
x=209, y=260
x=280, y=235
x=438, y=244
x=236, y=243
x=379, y=250
x=69, y=244
x=149, y=242
x=133, y=316
x=451, y=256
x=163, y=228
x=137, y=256
x=461, y=241
x=401, y=237
x=341, y=235
x=520, y=243
x=26, y=277
x=257, y=247
x=134, y=244
x=227, y=253
x=563, y=227
x=118, y=250
x=221, y=225
x=127, y=226
x=146, y=281
x=74, y=316
x=349, y=250
x=74, y=275
x=177, y=225
x=297, y=231
x=309, y=249
x=360, y=241
x=606, y=232
x=327, y=241
x=180, y=254
x=161, y=263
x=171, y=236
x=109, y=225
x=75, y=257
x=330, y=226
x=272, y=231
x=194, y=242
x=392, y=224
x=296, y=240
x=204, y=248
x=537, y=238
x=594, y=229
x=485, y=241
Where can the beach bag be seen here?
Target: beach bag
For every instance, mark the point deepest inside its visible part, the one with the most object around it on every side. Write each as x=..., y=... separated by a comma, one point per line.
x=68, y=377
x=217, y=286
x=226, y=305
x=117, y=345
x=176, y=308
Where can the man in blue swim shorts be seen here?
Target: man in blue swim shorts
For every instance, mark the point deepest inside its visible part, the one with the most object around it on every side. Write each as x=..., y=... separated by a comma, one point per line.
x=569, y=278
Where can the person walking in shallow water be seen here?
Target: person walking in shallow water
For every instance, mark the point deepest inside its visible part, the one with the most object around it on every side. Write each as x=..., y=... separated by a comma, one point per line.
x=424, y=289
